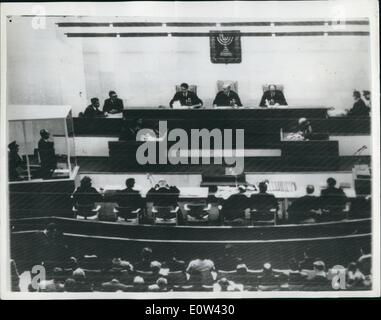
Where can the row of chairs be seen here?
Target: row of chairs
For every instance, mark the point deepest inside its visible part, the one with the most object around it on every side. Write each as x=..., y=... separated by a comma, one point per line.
x=195, y=213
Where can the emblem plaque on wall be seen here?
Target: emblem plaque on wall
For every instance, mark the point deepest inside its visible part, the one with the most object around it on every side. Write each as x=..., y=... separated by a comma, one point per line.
x=225, y=47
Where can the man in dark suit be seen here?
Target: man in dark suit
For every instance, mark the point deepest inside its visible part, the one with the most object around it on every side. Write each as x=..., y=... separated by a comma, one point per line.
x=304, y=209
x=92, y=111
x=263, y=201
x=129, y=197
x=332, y=201
x=163, y=195
x=113, y=104
x=47, y=154
x=359, y=109
x=234, y=206
x=227, y=97
x=186, y=97
x=15, y=163
x=273, y=97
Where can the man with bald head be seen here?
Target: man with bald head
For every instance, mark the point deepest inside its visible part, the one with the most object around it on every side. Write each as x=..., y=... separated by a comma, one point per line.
x=304, y=209
x=227, y=97
x=163, y=195
x=273, y=97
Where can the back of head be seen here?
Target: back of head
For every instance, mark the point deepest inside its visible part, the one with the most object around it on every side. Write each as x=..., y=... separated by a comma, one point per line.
x=130, y=183
x=319, y=265
x=262, y=187
x=146, y=253
x=310, y=189
x=79, y=274
x=44, y=134
x=293, y=265
x=162, y=184
x=272, y=87
x=331, y=182
x=86, y=182
x=267, y=269
x=155, y=266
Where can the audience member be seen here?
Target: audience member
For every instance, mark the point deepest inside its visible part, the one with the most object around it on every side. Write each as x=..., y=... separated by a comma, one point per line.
x=144, y=264
x=201, y=269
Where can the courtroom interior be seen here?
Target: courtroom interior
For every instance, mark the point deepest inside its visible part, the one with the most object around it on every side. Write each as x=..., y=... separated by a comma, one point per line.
x=270, y=189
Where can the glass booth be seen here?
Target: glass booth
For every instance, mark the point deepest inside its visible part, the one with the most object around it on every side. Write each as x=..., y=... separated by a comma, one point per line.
x=41, y=143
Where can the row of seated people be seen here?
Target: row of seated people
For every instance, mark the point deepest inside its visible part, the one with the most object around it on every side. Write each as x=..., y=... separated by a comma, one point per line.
x=272, y=96
x=261, y=208
x=229, y=273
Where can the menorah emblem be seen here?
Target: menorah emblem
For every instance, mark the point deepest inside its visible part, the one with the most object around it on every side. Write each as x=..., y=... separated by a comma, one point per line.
x=225, y=41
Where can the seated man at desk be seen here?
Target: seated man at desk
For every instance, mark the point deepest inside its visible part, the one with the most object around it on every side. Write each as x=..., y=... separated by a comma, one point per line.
x=86, y=195
x=235, y=206
x=163, y=195
x=47, y=155
x=129, y=197
x=227, y=97
x=16, y=165
x=303, y=131
x=92, y=111
x=304, y=209
x=273, y=97
x=263, y=200
x=186, y=97
x=359, y=109
x=113, y=104
x=332, y=201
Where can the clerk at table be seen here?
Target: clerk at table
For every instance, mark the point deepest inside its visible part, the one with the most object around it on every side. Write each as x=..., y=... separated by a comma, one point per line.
x=227, y=97
x=92, y=111
x=273, y=97
x=186, y=97
x=113, y=104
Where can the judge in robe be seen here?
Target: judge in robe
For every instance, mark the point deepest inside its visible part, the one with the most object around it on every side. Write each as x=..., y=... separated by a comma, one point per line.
x=186, y=97
x=16, y=164
x=92, y=111
x=113, y=104
x=227, y=97
x=47, y=155
x=273, y=97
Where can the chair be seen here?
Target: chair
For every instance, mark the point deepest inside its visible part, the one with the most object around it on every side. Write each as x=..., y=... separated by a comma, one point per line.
x=127, y=214
x=232, y=217
x=264, y=216
x=87, y=212
x=192, y=88
x=279, y=87
x=233, y=85
x=197, y=212
x=165, y=214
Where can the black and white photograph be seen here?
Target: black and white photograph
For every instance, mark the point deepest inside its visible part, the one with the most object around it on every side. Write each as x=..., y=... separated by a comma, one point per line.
x=198, y=149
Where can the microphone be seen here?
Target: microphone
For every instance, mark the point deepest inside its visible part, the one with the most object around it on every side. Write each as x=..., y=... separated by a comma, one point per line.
x=360, y=150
